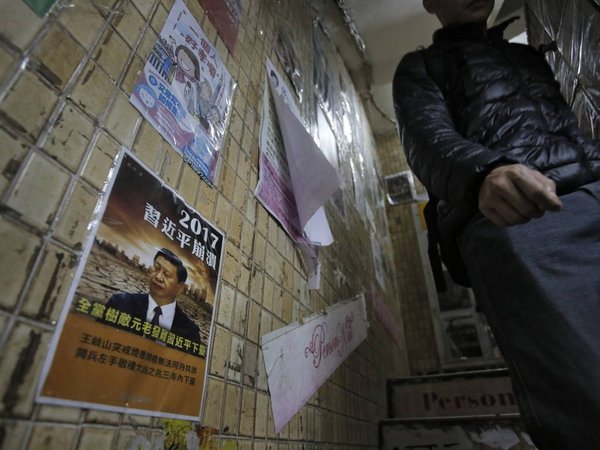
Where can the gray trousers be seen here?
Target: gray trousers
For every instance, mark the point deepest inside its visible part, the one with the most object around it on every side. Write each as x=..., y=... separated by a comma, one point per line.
x=539, y=286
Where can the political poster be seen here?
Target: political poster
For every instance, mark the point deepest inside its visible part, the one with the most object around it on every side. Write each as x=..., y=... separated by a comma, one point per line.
x=135, y=331
x=185, y=92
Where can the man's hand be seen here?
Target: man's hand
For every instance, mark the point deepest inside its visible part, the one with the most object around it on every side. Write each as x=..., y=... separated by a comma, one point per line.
x=515, y=194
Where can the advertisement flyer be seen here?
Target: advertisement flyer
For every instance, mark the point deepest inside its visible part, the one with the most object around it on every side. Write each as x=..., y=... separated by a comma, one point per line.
x=287, y=153
x=301, y=356
x=274, y=189
x=226, y=16
x=134, y=334
x=185, y=92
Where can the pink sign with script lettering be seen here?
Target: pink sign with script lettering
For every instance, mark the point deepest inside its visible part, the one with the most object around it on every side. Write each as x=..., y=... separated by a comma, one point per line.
x=300, y=357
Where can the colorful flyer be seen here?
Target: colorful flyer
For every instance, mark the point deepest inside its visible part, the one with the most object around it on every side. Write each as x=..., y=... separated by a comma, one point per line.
x=134, y=334
x=185, y=92
x=226, y=16
x=301, y=356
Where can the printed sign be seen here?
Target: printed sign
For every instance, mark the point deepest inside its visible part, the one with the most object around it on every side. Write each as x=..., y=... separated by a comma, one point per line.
x=274, y=189
x=300, y=357
x=457, y=395
x=287, y=154
x=500, y=434
x=185, y=92
x=226, y=16
x=135, y=332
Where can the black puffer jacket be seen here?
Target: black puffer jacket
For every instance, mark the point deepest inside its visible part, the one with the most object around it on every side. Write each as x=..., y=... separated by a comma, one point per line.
x=473, y=101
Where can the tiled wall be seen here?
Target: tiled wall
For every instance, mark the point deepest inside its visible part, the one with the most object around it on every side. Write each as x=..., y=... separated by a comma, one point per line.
x=410, y=278
x=575, y=27
x=65, y=81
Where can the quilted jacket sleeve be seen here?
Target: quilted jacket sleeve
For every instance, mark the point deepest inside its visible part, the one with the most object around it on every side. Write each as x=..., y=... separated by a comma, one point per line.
x=450, y=166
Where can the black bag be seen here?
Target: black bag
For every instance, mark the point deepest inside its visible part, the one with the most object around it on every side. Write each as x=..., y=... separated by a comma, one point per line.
x=442, y=69
x=441, y=249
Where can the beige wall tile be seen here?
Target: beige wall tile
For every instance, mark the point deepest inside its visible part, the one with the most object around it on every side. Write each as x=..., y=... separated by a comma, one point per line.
x=69, y=137
x=268, y=293
x=45, y=437
x=226, y=305
x=13, y=151
x=83, y=21
x=231, y=261
x=227, y=181
x=51, y=284
x=123, y=119
x=39, y=191
x=234, y=364
x=262, y=407
x=259, y=249
x=253, y=321
x=278, y=302
x=144, y=6
x=93, y=90
x=240, y=194
x=209, y=30
x=18, y=22
x=159, y=18
x=222, y=212
x=96, y=439
x=102, y=417
x=214, y=404
x=19, y=251
x=20, y=362
x=148, y=40
x=100, y=160
x=250, y=364
x=7, y=63
x=171, y=166
x=148, y=145
x=247, y=412
x=16, y=435
x=247, y=238
x=231, y=413
x=125, y=438
x=72, y=227
x=219, y=352
x=206, y=203
x=59, y=55
x=28, y=104
x=240, y=316
x=245, y=268
x=261, y=379
x=188, y=186
x=112, y=53
x=272, y=261
x=53, y=413
x=129, y=24
x=132, y=74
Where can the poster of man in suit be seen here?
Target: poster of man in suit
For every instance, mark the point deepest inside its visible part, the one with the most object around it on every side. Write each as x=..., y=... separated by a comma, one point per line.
x=138, y=322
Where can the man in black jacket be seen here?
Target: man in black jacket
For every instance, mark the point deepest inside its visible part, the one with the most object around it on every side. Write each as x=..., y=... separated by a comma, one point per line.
x=486, y=130
x=167, y=278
